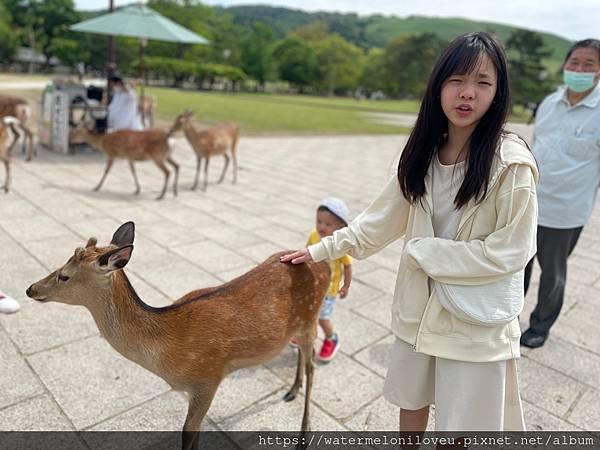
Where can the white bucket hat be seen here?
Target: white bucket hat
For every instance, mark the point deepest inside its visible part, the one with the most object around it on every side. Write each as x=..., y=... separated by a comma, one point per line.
x=337, y=207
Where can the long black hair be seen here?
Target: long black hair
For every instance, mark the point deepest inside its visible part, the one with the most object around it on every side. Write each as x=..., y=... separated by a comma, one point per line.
x=461, y=57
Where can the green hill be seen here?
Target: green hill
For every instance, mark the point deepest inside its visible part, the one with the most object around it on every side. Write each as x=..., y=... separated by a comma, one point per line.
x=378, y=30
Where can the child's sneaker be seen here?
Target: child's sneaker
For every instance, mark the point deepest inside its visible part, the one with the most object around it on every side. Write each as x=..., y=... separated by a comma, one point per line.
x=329, y=348
x=8, y=304
x=294, y=343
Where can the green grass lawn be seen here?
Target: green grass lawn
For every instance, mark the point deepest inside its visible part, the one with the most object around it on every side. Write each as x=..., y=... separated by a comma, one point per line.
x=263, y=114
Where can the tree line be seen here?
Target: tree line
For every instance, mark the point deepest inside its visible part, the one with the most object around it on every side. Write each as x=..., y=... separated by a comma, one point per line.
x=310, y=58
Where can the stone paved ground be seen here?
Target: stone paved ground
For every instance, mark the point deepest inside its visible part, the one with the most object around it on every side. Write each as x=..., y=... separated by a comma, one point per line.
x=56, y=373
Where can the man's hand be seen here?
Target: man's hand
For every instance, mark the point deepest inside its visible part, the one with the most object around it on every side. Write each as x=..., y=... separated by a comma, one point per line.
x=297, y=257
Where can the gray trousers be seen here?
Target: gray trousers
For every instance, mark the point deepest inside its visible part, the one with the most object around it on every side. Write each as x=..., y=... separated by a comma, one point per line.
x=554, y=246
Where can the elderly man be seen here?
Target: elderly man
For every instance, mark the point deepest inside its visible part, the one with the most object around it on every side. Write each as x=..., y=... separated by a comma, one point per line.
x=567, y=149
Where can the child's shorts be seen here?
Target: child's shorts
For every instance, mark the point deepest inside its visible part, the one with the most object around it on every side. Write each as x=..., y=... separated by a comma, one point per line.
x=327, y=307
x=468, y=396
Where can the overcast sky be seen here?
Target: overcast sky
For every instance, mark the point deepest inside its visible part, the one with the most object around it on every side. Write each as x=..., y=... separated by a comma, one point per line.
x=573, y=19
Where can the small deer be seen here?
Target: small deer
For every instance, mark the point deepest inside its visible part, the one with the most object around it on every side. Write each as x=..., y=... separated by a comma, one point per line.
x=206, y=334
x=133, y=146
x=18, y=108
x=219, y=140
x=7, y=123
x=146, y=107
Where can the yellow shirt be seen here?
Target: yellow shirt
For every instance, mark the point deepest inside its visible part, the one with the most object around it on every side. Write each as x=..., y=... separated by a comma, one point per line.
x=336, y=266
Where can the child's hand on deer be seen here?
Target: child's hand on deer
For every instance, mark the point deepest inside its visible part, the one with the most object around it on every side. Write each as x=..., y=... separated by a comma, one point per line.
x=297, y=257
x=344, y=291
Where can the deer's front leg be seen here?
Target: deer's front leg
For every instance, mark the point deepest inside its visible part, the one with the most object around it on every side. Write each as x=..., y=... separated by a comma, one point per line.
x=199, y=403
x=109, y=164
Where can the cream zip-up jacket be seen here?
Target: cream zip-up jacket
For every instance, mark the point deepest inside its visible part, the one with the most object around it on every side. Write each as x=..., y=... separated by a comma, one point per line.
x=496, y=237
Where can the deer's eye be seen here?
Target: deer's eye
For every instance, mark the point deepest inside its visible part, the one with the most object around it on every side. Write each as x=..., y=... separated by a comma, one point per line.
x=62, y=277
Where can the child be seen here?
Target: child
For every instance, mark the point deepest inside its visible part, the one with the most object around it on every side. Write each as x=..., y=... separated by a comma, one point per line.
x=332, y=214
x=465, y=202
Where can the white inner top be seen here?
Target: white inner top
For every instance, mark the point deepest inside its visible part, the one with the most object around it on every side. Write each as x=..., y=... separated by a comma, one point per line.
x=446, y=183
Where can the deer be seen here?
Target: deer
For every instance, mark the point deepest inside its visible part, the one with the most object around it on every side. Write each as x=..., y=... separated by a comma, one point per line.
x=204, y=335
x=146, y=106
x=18, y=108
x=7, y=123
x=218, y=140
x=132, y=145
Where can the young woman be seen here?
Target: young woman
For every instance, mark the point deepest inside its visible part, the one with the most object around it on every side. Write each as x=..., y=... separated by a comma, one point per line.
x=465, y=202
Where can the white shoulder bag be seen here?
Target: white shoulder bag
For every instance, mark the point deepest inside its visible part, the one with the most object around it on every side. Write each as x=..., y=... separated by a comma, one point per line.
x=489, y=304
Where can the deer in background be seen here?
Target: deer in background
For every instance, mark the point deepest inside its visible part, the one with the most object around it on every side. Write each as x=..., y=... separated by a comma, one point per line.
x=219, y=140
x=206, y=334
x=7, y=123
x=133, y=146
x=18, y=108
x=146, y=107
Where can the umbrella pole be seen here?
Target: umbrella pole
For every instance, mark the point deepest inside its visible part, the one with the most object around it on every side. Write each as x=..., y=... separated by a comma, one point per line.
x=110, y=65
x=142, y=77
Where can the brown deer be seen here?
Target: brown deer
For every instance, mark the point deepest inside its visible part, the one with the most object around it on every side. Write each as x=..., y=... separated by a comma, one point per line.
x=133, y=146
x=7, y=123
x=146, y=107
x=17, y=107
x=219, y=140
x=206, y=334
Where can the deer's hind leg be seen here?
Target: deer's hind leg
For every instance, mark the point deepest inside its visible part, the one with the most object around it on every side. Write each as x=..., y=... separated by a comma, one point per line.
x=309, y=367
x=28, y=143
x=176, y=169
x=6, y=161
x=293, y=392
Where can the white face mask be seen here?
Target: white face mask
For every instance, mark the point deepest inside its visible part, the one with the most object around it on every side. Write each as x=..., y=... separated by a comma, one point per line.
x=579, y=81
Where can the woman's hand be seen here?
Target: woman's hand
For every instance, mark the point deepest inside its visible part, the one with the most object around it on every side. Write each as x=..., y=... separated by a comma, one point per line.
x=297, y=257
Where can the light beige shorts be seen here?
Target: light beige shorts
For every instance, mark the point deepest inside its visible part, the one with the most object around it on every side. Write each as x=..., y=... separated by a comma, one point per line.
x=468, y=396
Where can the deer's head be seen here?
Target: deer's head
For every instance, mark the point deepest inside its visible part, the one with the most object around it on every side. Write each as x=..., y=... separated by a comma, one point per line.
x=184, y=118
x=87, y=274
x=79, y=135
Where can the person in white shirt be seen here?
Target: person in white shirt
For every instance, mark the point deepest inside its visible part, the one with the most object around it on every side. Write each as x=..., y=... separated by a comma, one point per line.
x=123, y=111
x=567, y=149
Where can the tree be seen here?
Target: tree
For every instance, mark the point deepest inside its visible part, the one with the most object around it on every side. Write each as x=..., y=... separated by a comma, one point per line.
x=50, y=19
x=69, y=51
x=15, y=14
x=257, y=61
x=373, y=75
x=218, y=29
x=8, y=41
x=296, y=61
x=529, y=77
x=340, y=64
x=311, y=32
x=408, y=62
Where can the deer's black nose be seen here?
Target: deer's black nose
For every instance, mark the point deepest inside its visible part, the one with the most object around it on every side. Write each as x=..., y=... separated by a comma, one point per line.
x=29, y=291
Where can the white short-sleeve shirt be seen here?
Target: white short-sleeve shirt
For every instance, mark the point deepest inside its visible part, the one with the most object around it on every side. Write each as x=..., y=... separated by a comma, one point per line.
x=567, y=149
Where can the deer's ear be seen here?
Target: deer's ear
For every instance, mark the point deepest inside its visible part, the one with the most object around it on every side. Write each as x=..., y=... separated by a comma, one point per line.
x=124, y=235
x=114, y=259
